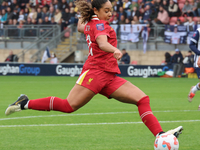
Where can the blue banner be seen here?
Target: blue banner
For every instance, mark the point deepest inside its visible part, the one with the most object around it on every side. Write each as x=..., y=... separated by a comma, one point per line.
x=36, y=69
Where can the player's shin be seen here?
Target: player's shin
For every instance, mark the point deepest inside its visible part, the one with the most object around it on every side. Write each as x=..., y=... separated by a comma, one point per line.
x=50, y=103
x=147, y=116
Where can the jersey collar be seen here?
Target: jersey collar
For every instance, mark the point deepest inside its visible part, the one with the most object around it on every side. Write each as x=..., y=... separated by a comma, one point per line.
x=94, y=17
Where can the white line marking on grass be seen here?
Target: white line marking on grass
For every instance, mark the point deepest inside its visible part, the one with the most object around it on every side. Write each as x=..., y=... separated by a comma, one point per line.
x=90, y=114
x=90, y=124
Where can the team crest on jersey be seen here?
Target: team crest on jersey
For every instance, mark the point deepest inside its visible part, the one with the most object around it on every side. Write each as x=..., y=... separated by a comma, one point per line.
x=89, y=81
x=100, y=27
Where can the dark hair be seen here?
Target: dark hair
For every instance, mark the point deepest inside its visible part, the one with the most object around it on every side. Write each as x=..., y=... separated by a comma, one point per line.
x=87, y=10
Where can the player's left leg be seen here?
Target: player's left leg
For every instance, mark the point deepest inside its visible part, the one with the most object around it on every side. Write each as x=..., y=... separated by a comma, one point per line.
x=129, y=93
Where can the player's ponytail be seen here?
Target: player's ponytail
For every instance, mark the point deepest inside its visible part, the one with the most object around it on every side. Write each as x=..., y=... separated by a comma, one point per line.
x=86, y=9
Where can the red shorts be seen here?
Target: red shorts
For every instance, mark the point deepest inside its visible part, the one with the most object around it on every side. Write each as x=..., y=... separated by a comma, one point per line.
x=99, y=81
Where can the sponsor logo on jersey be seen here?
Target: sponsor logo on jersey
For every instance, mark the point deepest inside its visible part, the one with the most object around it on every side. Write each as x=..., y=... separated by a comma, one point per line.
x=100, y=27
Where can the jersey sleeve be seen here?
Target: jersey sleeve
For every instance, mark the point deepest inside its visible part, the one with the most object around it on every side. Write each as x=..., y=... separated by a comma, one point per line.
x=102, y=28
x=195, y=37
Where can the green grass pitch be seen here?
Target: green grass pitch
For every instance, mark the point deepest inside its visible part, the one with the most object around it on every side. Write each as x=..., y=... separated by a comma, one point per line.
x=102, y=124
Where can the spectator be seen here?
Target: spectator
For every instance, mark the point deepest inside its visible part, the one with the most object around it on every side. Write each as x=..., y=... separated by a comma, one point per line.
x=14, y=4
x=46, y=21
x=44, y=13
x=115, y=6
x=22, y=3
x=194, y=7
x=72, y=16
x=26, y=12
x=65, y=19
x=3, y=5
x=56, y=5
x=121, y=12
x=173, y=9
x=177, y=61
x=190, y=24
x=11, y=57
x=114, y=14
x=32, y=14
x=45, y=5
x=147, y=14
x=175, y=38
x=39, y=13
x=167, y=58
x=15, y=14
x=141, y=16
x=165, y=5
x=9, y=13
x=135, y=20
x=152, y=16
x=122, y=20
x=126, y=4
x=51, y=13
x=162, y=17
x=4, y=16
x=54, y=59
x=125, y=58
x=21, y=16
x=53, y=21
x=135, y=12
x=189, y=59
x=133, y=4
x=157, y=4
x=115, y=20
x=57, y=15
x=63, y=5
x=127, y=21
x=187, y=9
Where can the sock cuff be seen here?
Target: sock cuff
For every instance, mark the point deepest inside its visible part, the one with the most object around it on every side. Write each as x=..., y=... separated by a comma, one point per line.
x=143, y=100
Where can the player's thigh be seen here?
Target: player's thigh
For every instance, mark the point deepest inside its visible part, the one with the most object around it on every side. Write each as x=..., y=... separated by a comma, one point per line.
x=128, y=93
x=79, y=96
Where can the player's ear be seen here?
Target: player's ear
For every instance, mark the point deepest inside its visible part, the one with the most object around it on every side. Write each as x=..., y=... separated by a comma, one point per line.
x=96, y=11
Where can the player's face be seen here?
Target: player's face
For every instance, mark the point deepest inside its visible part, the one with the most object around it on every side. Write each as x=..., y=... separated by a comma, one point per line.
x=104, y=13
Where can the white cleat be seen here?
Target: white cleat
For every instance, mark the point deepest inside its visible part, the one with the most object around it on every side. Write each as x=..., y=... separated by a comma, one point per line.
x=176, y=131
x=13, y=108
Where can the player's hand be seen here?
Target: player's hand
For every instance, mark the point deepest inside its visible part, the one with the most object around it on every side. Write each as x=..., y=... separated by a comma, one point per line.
x=117, y=54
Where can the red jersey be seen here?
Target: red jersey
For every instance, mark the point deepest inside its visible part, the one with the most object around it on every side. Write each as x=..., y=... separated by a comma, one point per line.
x=97, y=58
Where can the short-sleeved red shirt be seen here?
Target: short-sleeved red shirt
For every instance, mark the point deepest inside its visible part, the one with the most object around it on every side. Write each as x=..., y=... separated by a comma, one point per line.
x=97, y=58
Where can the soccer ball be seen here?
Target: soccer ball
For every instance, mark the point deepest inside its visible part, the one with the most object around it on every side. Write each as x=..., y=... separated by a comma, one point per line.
x=166, y=141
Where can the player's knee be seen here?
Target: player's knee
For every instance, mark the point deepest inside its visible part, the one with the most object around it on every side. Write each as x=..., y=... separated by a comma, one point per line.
x=144, y=100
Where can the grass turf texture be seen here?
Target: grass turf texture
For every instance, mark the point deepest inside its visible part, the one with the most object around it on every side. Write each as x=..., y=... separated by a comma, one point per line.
x=168, y=100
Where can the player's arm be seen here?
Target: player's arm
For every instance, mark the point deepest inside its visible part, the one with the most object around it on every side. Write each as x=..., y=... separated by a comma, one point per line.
x=193, y=43
x=103, y=44
x=81, y=26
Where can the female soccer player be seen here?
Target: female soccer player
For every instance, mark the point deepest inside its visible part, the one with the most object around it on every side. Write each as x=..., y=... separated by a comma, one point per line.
x=99, y=72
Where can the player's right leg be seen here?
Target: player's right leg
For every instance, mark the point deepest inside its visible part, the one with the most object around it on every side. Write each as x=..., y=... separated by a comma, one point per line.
x=77, y=97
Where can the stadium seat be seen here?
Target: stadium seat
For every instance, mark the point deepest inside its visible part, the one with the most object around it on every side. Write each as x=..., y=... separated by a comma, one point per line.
x=173, y=20
x=181, y=5
x=181, y=19
x=195, y=19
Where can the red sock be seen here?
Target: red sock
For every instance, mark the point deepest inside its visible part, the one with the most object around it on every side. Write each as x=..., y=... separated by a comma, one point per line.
x=50, y=103
x=147, y=116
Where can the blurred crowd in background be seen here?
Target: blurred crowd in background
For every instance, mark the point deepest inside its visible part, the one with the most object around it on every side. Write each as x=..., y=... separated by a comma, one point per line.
x=64, y=12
